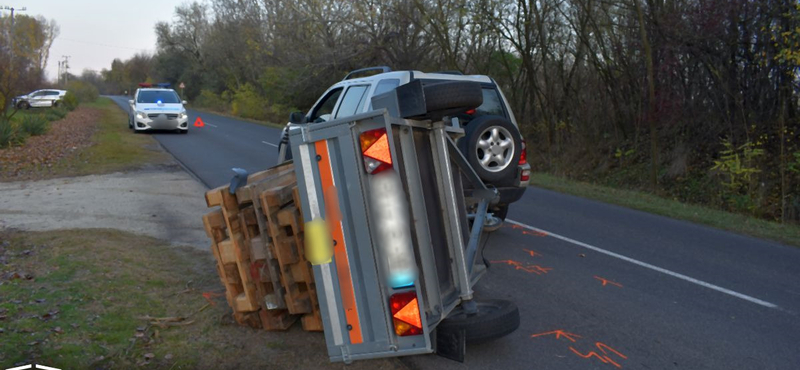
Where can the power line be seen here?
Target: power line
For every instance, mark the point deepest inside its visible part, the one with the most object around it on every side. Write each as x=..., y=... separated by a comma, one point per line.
x=104, y=45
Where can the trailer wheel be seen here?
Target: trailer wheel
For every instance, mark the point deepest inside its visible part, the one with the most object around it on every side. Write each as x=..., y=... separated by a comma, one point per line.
x=452, y=97
x=495, y=318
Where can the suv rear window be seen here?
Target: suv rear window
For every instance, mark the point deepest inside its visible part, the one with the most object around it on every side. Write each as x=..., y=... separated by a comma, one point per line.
x=492, y=103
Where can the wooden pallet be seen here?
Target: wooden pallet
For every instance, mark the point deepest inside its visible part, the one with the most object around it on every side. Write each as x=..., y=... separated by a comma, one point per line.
x=243, y=259
x=291, y=221
x=258, y=241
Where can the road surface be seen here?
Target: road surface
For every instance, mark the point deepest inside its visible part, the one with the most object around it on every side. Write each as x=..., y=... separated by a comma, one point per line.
x=598, y=286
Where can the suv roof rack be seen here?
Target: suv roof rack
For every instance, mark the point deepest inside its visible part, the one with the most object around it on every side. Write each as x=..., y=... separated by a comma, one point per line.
x=450, y=72
x=383, y=69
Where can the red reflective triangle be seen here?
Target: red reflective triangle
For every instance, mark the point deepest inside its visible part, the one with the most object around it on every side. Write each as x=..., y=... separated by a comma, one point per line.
x=410, y=314
x=379, y=150
x=198, y=122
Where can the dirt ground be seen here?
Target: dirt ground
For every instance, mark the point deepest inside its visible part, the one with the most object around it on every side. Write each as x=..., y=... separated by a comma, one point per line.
x=162, y=201
x=106, y=299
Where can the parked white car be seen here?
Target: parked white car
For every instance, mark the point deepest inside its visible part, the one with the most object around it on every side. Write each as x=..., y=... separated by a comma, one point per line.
x=39, y=98
x=157, y=109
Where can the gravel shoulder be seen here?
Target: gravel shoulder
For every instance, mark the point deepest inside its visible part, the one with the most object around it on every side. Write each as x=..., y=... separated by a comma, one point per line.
x=161, y=201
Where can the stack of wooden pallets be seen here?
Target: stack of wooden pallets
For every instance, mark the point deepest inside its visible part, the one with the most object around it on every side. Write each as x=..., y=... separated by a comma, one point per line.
x=257, y=241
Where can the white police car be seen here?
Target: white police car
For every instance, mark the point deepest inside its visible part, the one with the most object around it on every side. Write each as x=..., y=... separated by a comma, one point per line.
x=157, y=108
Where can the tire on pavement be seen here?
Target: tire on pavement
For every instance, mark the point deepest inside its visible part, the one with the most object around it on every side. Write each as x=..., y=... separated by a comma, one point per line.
x=495, y=318
x=452, y=97
x=492, y=146
x=23, y=105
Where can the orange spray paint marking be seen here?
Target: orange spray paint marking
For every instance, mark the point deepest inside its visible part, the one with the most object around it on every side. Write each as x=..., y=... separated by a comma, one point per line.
x=531, y=269
x=528, y=232
x=209, y=295
x=606, y=281
x=604, y=359
x=559, y=333
x=532, y=253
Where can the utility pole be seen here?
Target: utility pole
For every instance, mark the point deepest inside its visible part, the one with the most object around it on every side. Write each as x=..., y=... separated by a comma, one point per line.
x=11, y=33
x=65, y=63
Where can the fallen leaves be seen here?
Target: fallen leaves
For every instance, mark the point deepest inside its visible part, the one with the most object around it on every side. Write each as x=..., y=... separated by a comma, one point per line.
x=39, y=153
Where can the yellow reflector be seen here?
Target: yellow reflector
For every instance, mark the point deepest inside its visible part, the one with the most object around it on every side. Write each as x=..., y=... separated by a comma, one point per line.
x=410, y=314
x=401, y=327
x=319, y=245
x=379, y=150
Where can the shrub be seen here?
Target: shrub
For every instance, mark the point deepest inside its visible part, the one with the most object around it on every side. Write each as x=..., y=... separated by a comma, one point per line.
x=55, y=114
x=10, y=134
x=248, y=103
x=84, y=91
x=208, y=99
x=70, y=101
x=34, y=125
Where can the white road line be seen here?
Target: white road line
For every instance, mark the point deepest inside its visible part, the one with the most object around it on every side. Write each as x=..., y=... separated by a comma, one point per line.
x=649, y=266
x=271, y=144
x=208, y=124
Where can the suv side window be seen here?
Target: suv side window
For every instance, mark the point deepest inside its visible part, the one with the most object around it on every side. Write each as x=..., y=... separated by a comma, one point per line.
x=324, y=109
x=385, y=86
x=353, y=101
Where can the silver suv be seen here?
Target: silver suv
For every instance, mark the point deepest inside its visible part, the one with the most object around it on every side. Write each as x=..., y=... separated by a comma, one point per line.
x=492, y=144
x=39, y=98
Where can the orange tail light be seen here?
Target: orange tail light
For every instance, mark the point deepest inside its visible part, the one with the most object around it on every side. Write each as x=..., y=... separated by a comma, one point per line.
x=376, y=150
x=405, y=314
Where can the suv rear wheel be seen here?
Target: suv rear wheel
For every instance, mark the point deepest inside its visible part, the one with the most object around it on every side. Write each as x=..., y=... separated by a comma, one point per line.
x=492, y=146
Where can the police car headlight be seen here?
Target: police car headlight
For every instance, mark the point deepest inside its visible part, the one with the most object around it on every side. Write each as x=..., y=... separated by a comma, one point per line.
x=183, y=115
x=141, y=115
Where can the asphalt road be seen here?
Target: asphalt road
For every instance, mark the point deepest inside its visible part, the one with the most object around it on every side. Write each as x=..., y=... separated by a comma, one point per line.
x=598, y=286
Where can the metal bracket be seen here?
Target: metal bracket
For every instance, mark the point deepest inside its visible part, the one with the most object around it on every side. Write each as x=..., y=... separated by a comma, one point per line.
x=464, y=166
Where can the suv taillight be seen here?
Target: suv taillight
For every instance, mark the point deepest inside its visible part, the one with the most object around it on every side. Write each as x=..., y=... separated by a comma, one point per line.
x=376, y=151
x=405, y=314
x=523, y=159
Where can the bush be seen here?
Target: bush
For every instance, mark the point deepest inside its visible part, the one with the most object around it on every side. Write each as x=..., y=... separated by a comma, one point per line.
x=10, y=134
x=247, y=103
x=34, y=125
x=210, y=100
x=70, y=101
x=55, y=114
x=84, y=91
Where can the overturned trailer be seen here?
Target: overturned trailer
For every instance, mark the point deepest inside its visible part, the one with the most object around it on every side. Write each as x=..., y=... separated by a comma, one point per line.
x=391, y=231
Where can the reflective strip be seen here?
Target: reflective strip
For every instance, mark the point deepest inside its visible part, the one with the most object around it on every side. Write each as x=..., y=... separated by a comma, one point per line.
x=327, y=278
x=332, y=215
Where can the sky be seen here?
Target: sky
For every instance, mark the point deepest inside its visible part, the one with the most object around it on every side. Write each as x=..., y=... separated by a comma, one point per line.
x=94, y=32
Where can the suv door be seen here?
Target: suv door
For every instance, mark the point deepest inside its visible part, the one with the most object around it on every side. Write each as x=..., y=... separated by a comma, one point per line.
x=36, y=98
x=353, y=101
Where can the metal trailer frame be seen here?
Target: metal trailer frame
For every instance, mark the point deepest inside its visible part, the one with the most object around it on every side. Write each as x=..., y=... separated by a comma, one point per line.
x=334, y=186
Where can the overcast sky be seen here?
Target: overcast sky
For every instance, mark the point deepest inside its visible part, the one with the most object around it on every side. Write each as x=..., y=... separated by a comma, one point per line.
x=94, y=32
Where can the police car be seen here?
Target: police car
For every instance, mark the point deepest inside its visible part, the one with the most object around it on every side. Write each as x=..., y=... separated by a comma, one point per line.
x=157, y=107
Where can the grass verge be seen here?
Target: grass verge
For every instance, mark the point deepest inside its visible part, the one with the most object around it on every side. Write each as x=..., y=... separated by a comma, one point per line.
x=115, y=147
x=106, y=299
x=742, y=224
